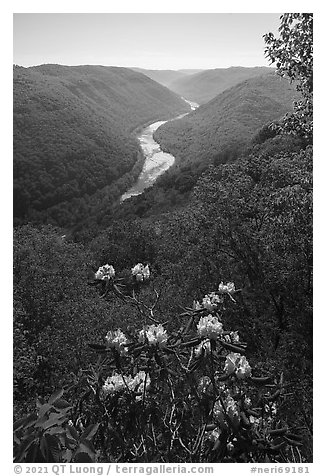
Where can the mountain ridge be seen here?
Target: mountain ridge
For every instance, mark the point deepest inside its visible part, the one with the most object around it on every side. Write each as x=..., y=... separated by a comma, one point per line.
x=228, y=120
x=72, y=131
x=205, y=85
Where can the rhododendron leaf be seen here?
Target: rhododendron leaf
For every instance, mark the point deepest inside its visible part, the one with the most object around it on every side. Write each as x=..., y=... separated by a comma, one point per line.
x=82, y=458
x=211, y=426
x=232, y=347
x=277, y=447
x=98, y=347
x=278, y=431
x=25, y=422
x=55, y=396
x=191, y=343
x=293, y=436
x=90, y=431
x=55, y=419
x=20, y=457
x=71, y=431
x=261, y=380
x=223, y=377
x=62, y=404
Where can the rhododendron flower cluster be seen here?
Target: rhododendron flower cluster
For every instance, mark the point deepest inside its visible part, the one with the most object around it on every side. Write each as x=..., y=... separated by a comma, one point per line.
x=140, y=272
x=118, y=383
x=153, y=335
x=210, y=327
x=255, y=422
x=237, y=364
x=115, y=384
x=105, y=272
x=232, y=411
x=232, y=337
x=204, y=384
x=214, y=435
x=228, y=288
x=211, y=300
x=117, y=340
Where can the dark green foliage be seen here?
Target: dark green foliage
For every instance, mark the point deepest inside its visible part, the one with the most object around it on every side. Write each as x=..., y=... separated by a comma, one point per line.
x=48, y=436
x=241, y=213
x=55, y=311
x=293, y=55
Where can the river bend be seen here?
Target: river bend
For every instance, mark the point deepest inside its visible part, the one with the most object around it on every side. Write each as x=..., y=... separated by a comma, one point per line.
x=156, y=161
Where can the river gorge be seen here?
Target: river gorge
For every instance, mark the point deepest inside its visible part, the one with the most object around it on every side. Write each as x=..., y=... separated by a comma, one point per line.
x=156, y=161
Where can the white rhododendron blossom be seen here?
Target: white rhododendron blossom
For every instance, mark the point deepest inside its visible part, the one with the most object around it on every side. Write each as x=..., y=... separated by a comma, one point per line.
x=232, y=410
x=203, y=348
x=140, y=272
x=255, y=422
x=228, y=288
x=214, y=435
x=117, y=340
x=196, y=306
x=138, y=382
x=116, y=384
x=247, y=401
x=211, y=300
x=232, y=337
x=105, y=272
x=203, y=384
x=243, y=370
x=230, y=446
x=237, y=364
x=154, y=335
x=271, y=409
x=231, y=407
x=210, y=327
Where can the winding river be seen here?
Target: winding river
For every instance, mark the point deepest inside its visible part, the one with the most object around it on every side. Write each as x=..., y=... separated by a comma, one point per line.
x=156, y=161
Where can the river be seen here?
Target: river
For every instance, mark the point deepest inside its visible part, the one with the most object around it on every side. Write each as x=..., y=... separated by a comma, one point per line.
x=156, y=161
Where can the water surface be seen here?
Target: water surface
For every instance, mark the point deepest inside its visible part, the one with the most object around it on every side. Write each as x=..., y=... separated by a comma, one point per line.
x=156, y=161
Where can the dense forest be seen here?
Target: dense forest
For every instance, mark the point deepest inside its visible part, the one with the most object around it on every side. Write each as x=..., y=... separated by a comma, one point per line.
x=69, y=124
x=228, y=121
x=177, y=326
x=203, y=86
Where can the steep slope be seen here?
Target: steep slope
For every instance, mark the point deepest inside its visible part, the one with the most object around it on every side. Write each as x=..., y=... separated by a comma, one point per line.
x=72, y=132
x=228, y=121
x=204, y=86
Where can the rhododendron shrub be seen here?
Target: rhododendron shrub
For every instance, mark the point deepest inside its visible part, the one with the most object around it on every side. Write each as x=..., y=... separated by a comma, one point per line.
x=157, y=394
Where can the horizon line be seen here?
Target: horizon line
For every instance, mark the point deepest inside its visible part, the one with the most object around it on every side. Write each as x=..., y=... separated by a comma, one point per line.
x=141, y=67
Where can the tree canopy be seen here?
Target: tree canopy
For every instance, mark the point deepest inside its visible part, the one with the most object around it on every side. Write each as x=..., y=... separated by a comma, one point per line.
x=292, y=52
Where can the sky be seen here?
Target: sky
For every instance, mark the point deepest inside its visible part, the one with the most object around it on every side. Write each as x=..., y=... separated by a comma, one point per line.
x=145, y=40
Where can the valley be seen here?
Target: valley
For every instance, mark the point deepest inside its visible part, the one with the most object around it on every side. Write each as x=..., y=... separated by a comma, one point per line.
x=156, y=161
x=73, y=136
x=162, y=244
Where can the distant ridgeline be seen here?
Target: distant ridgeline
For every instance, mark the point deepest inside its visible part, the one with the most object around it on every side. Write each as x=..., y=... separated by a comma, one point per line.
x=203, y=86
x=218, y=132
x=73, y=141
x=228, y=122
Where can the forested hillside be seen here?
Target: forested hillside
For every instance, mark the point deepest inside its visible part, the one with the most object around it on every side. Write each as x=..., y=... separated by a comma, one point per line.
x=227, y=122
x=178, y=328
x=205, y=85
x=72, y=135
